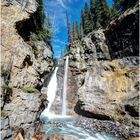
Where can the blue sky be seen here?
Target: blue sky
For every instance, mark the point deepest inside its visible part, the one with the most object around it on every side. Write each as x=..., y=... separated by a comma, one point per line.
x=56, y=10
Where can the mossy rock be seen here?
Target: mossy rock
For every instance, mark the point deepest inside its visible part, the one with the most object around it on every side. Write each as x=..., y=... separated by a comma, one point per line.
x=30, y=89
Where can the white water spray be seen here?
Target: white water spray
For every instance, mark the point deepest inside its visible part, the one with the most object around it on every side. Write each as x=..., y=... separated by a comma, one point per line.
x=51, y=92
x=64, y=101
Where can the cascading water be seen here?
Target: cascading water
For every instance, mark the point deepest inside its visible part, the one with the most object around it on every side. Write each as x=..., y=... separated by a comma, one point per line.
x=51, y=92
x=64, y=101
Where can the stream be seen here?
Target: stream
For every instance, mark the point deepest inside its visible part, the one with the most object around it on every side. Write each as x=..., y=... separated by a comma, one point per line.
x=67, y=128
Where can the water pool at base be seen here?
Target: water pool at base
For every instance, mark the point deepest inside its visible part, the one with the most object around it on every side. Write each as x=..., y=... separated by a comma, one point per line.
x=70, y=131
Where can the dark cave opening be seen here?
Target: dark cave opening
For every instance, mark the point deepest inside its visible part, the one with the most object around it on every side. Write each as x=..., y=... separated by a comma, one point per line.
x=25, y=27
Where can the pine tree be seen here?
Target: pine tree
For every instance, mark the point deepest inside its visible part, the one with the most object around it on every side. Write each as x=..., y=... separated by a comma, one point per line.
x=87, y=20
x=122, y=5
x=97, y=14
x=114, y=12
x=106, y=14
x=69, y=31
x=102, y=13
x=73, y=32
x=81, y=34
x=77, y=30
x=92, y=11
x=92, y=8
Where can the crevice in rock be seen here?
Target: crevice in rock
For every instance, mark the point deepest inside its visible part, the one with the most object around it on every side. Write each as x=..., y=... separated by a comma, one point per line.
x=131, y=110
x=27, y=61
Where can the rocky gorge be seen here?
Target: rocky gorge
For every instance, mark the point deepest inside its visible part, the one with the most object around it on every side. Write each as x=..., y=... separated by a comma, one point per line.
x=103, y=76
x=105, y=65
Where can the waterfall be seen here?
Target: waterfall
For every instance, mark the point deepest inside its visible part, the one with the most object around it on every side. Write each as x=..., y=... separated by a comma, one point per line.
x=64, y=101
x=51, y=92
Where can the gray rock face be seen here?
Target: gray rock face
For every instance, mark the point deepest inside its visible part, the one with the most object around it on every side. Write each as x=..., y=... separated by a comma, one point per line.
x=45, y=56
x=98, y=38
x=23, y=111
x=93, y=47
x=105, y=86
x=27, y=69
x=29, y=6
x=108, y=81
x=5, y=128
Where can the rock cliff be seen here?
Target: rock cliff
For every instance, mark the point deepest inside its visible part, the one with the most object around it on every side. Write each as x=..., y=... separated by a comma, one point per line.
x=23, y=68
x=105, y=67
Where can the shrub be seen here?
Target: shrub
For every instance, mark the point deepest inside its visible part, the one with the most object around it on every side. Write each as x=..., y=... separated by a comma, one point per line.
x=4, y=71
x=36, y=51
x=44, y=33
x=6, y=87
x=30, y=89
x=3, y=113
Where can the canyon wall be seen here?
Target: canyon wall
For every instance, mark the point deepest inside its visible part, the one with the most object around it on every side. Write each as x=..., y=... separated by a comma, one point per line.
x=23, y=67
x=105, y=65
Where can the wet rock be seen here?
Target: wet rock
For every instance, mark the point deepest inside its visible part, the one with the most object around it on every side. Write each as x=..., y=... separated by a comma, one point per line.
x=56, y=137
x=109, y=127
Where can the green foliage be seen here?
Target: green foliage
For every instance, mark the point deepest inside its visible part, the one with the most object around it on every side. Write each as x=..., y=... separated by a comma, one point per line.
x=42, y=34
x=29, y=89
x=102, y=13
x=114, y=12
x=81, y=33
x=98, y=16
x=3, y=113
x=87, y=20
x=92, y=7
x=75, y=31
x=43, y=25
x=7, y=91
x=70, y=34
x=122, y=5
x=45, y=32
x=36, y=51
x=6, y=87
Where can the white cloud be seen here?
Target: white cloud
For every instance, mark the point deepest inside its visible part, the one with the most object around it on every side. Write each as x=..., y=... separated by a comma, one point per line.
x=56, y=9
x=62, y=4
